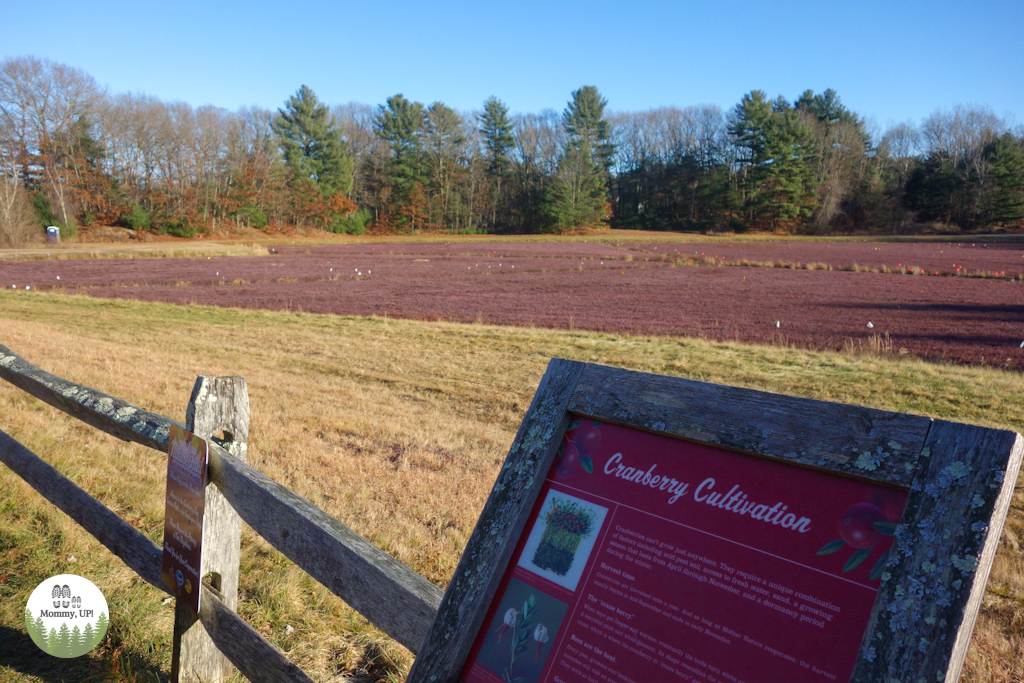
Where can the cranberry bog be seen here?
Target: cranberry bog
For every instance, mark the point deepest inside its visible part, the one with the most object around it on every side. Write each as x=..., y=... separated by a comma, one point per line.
x=963, y=304
x=396, y=428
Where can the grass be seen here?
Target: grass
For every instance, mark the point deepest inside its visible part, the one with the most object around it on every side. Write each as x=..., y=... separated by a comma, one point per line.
x=679, y=259
x=67, y=251
x=396, y=428
x=256, y=243
x=633, y=236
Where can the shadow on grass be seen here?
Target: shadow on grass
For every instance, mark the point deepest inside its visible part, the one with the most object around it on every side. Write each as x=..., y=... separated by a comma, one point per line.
x=18, y=654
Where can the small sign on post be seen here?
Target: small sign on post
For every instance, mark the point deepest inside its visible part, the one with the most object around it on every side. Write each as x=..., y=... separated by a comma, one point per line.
x=646, y=527
x=183, y=515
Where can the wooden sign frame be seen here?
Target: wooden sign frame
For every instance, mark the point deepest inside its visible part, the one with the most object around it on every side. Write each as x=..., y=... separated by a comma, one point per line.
x=960, y=480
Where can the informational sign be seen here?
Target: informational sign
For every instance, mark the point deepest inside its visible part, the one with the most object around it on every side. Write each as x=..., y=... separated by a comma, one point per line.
x=653, y=528
x=183, y=515
x=652, y=559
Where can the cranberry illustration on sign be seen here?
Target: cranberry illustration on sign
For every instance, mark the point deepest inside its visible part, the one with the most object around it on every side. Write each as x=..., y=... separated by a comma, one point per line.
x=509, y=622
x=864, y=526
x=580, y=442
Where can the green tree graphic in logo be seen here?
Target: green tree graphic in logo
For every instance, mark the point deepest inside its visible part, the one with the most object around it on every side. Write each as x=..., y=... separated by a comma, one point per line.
x=66, y=616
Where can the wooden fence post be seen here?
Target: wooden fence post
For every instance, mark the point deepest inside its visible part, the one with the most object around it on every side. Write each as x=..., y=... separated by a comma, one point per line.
x=219, y=406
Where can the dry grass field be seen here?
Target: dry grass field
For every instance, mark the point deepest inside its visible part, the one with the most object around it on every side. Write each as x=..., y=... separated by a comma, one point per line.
x=255, y=241
x=72, y=251
x=394, y=427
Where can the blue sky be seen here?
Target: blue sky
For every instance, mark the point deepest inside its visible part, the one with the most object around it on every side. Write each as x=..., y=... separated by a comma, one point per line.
x=889, y=61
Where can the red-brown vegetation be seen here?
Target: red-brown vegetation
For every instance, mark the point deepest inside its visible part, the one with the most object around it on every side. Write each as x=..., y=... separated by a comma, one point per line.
x=602, y=287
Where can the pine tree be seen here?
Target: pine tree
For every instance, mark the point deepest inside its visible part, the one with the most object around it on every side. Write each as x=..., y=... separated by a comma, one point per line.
x=932, y=189
x=577, y=195
x=32, y=625
x=585, y=123
x=41, y=630
x=777, y=165
x=312, y=143
x=829, y=109
x=497, y=130
x=76, y=642
x=88, y=637
x=400, y=124
x=1006, y=179
x=52, y=642
x=101, y=629
x=63, y=648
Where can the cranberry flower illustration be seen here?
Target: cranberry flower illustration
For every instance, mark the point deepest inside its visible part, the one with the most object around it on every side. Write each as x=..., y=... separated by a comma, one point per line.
x=510, y=622
x=540, y=634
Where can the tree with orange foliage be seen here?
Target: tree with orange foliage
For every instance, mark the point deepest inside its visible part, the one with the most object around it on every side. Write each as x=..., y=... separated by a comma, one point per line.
x=416, y=211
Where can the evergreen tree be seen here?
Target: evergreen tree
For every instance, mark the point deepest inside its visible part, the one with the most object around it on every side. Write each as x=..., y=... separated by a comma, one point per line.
x=52, y=642
x=88, y=637
x=750, y=128
x=777, y=161
x=932, y=189
x=101, y=629
x=41, y=630
x=63, y=648
x=77, y=644
x=400, y=125
x=33, y=627
x=577, y=193
x=1005, y=155
x=828, y=108
x=499, y=141
x=587, y=127
x=790, y=173
x=442, y=130
x=312, y=143
x=497, y=130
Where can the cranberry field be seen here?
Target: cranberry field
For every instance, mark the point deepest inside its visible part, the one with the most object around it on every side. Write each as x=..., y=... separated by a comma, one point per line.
x=965, y=303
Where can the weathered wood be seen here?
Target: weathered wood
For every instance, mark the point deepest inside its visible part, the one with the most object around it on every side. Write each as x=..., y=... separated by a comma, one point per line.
x=217, y=404
x=960, y=477
x=106, y=413
x=497, y=531
x=392, y=596
x=878, y=445
x=117, y=535
x=348, y=565
x=945, y=544
x=254, y=656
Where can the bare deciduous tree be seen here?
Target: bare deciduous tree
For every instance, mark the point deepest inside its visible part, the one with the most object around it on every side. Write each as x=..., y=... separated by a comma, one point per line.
x=45, y=101
x=16, y=220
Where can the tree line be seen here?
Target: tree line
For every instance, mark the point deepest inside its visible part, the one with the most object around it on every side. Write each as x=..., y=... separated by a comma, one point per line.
x=66, y=642
x=73, y=154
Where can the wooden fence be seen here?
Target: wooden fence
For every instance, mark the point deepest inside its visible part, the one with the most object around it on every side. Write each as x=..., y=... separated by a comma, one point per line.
x=389, y=594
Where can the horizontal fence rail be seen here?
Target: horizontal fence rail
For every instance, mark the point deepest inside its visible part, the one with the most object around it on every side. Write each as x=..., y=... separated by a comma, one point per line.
x=389, y=594
x=254, y=656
